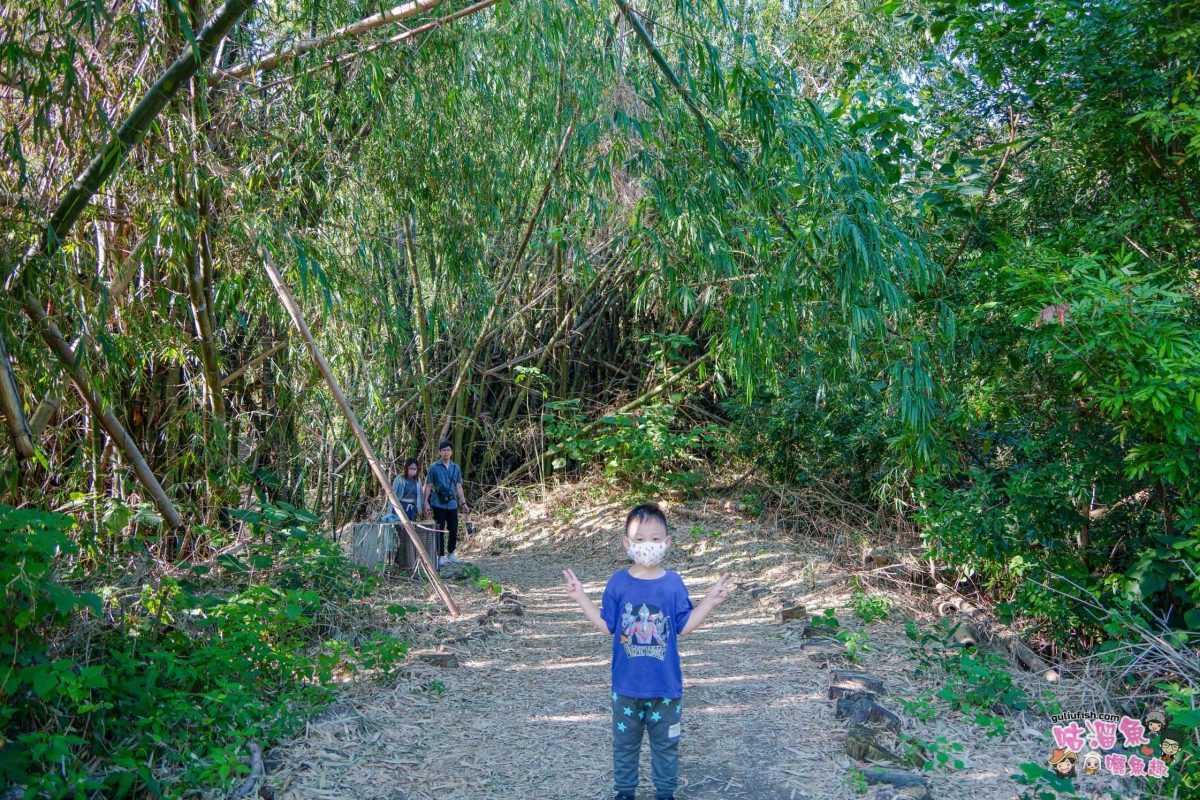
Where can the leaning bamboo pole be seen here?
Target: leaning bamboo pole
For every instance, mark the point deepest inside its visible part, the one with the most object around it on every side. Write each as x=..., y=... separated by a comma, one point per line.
x=293, y=309
x=282, y=56
x=112, y=426
x=12, y=407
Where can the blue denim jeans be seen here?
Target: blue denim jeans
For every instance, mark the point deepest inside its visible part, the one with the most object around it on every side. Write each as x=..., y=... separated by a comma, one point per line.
x=662, y=720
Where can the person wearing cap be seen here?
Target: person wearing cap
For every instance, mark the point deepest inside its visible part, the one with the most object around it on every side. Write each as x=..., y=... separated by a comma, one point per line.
x=443, y=497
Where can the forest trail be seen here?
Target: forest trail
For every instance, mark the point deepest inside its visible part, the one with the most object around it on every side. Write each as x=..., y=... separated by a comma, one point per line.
x=525, y=712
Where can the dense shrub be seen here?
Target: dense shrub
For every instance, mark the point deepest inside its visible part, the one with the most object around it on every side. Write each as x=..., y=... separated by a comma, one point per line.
x=148, y=689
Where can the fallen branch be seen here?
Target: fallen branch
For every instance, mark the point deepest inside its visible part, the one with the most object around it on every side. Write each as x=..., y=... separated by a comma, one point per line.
x=252, y=363
x=1100, y=513
x=994, y=632
x=249, y=787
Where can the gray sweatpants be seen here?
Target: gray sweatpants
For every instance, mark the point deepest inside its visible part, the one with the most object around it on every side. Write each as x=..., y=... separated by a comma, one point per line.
x=662, y=719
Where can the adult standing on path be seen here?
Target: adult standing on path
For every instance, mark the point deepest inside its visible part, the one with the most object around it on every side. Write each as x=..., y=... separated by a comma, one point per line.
x=443, y=497
x=410, y=490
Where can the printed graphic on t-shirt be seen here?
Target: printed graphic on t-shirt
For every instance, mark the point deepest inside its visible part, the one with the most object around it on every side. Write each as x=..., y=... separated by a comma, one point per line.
x=644, y=631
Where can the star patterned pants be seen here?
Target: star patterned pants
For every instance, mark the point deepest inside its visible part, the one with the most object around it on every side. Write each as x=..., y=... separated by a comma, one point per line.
x=662, y=720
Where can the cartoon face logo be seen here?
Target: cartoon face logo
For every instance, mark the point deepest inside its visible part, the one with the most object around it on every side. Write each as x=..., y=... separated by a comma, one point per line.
x=1155, y=722
x=1063, y=762
x=1091, y=763
x=1172, y=741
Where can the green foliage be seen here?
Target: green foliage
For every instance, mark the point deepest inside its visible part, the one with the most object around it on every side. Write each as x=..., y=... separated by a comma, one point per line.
x=869, y=607
x=857, y=780
x=1044, y=783
x=856, y=644
x=813, y=429
x=973, y=682
x=481, y=581
x=649, y=451
x=178, y=673
x=939, y=752
x=826, y=621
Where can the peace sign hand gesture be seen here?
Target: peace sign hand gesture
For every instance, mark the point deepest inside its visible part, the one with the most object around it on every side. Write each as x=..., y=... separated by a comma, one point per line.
x=574, y=587
x=720, y=591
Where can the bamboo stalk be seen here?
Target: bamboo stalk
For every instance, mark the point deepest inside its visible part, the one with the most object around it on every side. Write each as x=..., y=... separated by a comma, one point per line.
x=11, y=405
x=563, y=325
x=203, y=326
x=46, y=408
x=272, y=60
x=293, y=309
x=112, y=426
x=422, y=324
x=131, y=132
x=467, y=358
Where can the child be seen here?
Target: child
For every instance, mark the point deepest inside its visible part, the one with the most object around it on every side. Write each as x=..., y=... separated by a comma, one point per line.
x=647, y=680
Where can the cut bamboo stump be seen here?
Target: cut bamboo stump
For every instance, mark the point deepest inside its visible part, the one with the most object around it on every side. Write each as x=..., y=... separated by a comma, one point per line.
x=795, y=612
x=437, y=658
x=862, y=709
x=862, y=745
x=895, y=777
x=847, y=682
x=822, y=649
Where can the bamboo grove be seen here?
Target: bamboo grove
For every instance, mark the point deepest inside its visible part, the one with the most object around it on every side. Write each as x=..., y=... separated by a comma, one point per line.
x=463, y=276
x=937, y=260
x=940, y=256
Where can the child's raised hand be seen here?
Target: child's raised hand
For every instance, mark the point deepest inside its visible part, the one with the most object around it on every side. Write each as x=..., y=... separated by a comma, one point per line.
x=574, y=587
x=721, y=589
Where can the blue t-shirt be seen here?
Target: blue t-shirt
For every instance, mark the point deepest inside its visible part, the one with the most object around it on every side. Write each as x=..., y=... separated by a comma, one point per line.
x=645, y=618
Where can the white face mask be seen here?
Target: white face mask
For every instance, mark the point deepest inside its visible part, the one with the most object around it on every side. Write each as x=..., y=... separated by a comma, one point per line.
x=647, y=554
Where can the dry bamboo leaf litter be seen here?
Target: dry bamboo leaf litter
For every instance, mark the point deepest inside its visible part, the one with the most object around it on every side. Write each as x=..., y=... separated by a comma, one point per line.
x=525, y=714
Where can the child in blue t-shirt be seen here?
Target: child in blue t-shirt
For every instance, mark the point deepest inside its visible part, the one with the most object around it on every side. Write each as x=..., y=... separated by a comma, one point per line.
x=645, y=609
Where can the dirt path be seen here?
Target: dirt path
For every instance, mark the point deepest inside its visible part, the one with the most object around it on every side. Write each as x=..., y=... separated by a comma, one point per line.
x=525, y=712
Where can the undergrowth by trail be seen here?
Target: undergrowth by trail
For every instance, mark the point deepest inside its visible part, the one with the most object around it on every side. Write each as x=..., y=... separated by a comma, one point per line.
x=157, y=684
x=150, y=679
x=759, y=723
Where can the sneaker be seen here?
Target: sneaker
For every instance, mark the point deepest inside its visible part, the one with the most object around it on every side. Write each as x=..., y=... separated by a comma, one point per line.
x=453, y=559
x=441, y=561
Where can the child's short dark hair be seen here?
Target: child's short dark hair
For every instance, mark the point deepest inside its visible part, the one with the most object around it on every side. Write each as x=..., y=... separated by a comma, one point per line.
x=646, y=511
